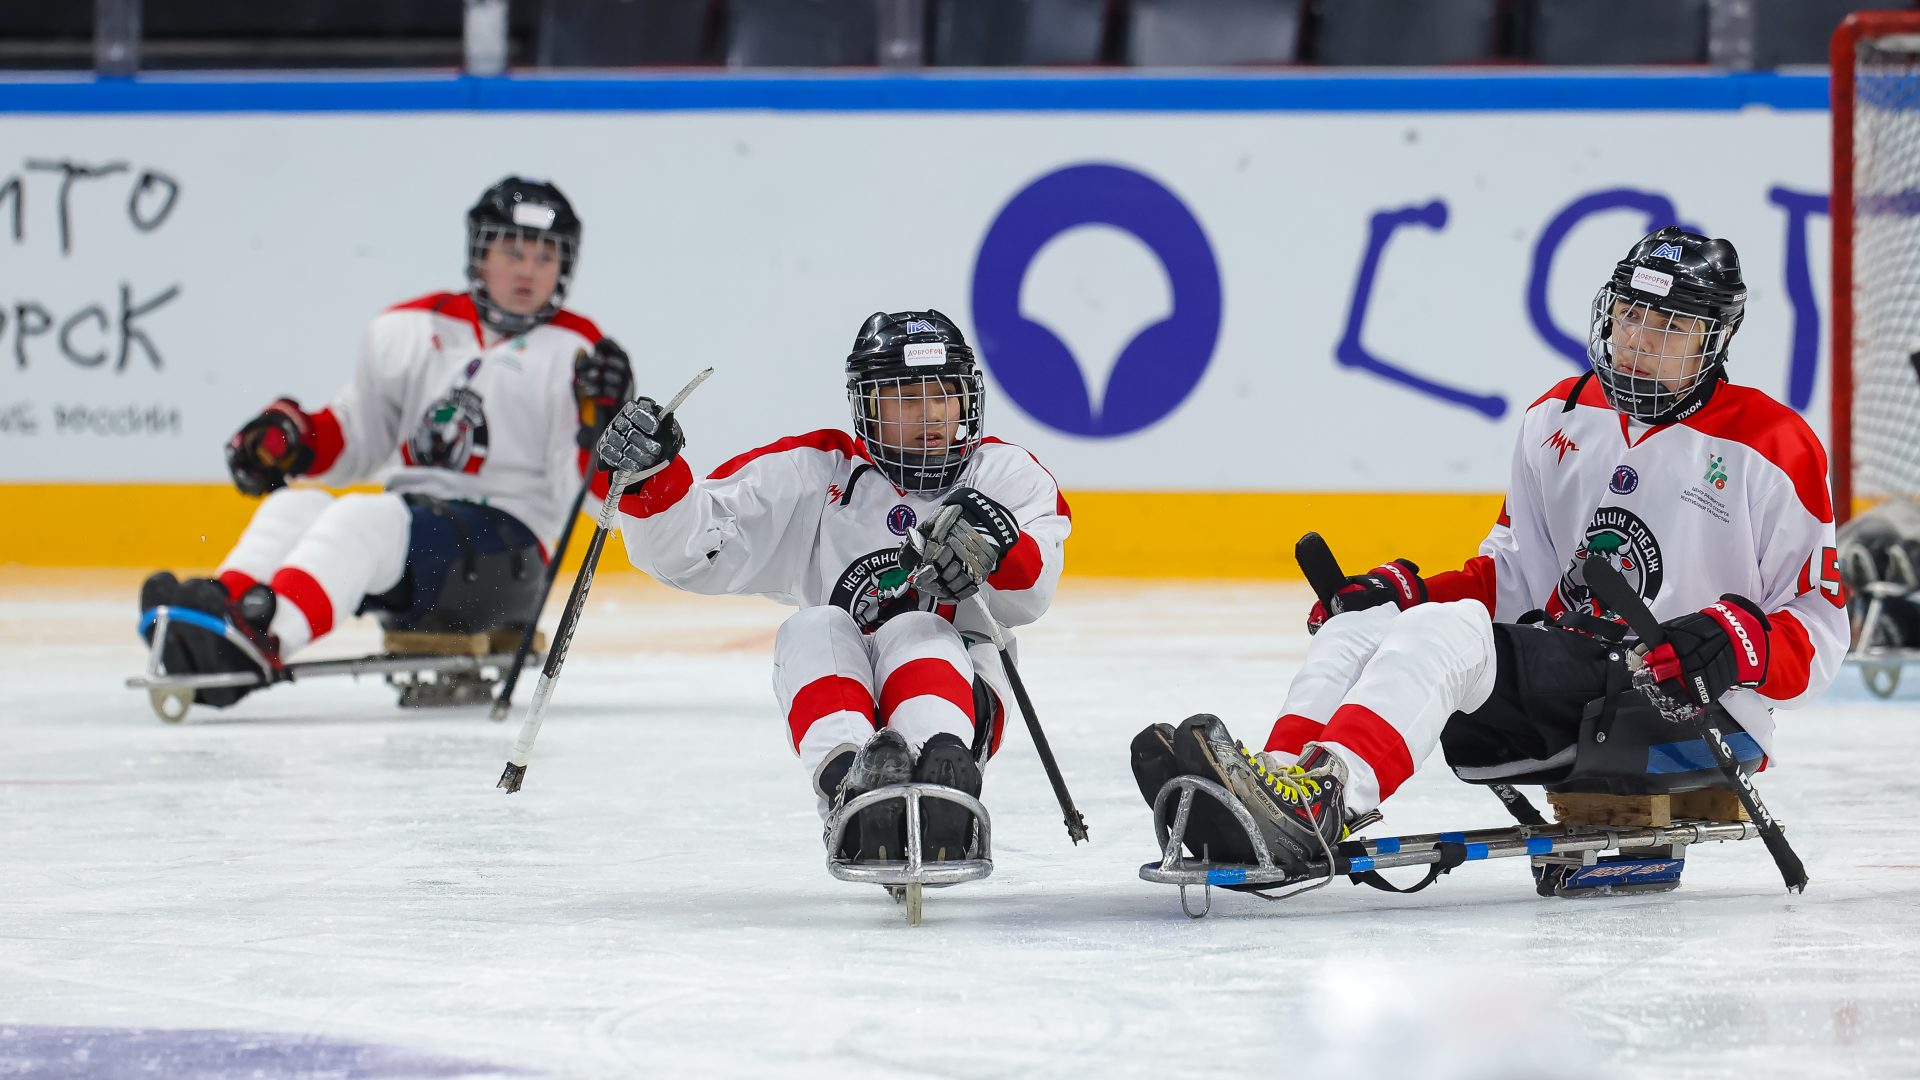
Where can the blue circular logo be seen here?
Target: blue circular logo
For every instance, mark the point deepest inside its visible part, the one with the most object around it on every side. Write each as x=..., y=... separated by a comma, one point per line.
x=1624, y=480
x=1161, y=366
x=900, y=519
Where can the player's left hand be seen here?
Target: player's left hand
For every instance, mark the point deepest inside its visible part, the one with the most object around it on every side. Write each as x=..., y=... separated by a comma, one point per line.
x=602, y=380
x=960, y=547
x=1712, y=651
x=1398, y=583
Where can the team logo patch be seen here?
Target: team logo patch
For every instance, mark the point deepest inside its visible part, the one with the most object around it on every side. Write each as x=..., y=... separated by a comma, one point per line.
x=1624, y=481
x=1620, y=537
x=874, y=589
x=1667, y=251
x=900, y=519
x=1717, y=471
x=452, y=434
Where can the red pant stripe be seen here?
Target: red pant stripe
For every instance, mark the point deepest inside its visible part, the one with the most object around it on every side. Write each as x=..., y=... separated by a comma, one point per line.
x=297, y=587
x=1362, y=731
x=824, y=697
x=1291, y=734
x=236, y=583
x=926, y=677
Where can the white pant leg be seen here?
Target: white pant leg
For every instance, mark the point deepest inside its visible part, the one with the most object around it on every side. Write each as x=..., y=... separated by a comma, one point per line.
x=1434, y=660
x=925, y=677
x=1335, y=658
x=823, y=681
x=356, y=546
x=281, y=520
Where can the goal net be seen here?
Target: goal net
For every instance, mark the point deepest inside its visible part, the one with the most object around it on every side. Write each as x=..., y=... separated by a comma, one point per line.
x=1875, y=444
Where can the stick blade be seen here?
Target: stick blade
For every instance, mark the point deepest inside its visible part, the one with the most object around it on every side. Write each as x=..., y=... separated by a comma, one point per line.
x=1077, y=828
x=510, y=779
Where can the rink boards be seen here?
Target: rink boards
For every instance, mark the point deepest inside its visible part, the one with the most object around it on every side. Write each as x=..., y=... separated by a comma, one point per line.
x=1222, y=310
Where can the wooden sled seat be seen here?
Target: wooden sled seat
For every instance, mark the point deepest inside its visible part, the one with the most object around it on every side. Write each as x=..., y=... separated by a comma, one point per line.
x=426, y=643
x=1646, y=811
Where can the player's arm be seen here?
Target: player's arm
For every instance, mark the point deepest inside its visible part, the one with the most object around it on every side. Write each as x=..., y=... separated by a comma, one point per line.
x=1807, y=630
x=1516, y=562
x=1011, y=551
x=748, y=528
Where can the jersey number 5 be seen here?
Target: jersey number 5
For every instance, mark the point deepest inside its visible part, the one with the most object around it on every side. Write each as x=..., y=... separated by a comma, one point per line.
x=1826, y=562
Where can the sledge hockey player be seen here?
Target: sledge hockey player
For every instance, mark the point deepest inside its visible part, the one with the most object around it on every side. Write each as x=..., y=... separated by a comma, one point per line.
x=483, y=394
x=881, y=537
x=1711, y=498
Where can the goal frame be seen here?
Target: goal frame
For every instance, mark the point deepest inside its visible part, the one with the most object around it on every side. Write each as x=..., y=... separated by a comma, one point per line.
x=1852, y=30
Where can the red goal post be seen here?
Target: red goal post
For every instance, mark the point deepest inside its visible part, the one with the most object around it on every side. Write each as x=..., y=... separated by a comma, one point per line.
x=1874, y=445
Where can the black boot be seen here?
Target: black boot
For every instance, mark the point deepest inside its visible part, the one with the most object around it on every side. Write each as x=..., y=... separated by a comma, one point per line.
x=946, y=828
x=878, y=833
x=204, y=651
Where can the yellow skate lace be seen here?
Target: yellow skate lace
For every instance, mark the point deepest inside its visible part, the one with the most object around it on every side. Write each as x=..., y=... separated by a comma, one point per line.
x=1290, y=783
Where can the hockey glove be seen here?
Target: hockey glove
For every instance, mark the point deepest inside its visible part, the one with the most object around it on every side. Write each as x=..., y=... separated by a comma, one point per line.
x=602, y=380
x=641, y=438
x=1398, y=582
x=993, y=521
x=273, y=446
x=949, y=559
x=1712, y=651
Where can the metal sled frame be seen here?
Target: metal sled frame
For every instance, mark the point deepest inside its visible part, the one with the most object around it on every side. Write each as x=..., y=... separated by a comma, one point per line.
x=1880, y=665
x=1548, y=843
x=908, y=879
x=172, y=695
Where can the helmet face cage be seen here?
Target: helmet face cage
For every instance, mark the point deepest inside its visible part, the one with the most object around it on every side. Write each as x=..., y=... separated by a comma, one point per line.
x=481, y=235
x=1652, y=359
x=926, y=447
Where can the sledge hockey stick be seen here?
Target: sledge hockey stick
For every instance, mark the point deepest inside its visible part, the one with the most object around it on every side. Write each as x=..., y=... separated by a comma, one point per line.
x=516, y=769
x=504, y=701
x=1613, y=591
x=1324, y=575
x=1076, y=824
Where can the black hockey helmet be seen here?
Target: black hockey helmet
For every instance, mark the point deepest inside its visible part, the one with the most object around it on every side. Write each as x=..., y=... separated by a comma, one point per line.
x=923, y=355
x=533, y=209
x=1662, y=322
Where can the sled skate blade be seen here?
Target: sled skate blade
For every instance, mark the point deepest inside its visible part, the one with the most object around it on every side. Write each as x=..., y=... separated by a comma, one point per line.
x=907, y=879
x=1611, y=875
x=1177, y=868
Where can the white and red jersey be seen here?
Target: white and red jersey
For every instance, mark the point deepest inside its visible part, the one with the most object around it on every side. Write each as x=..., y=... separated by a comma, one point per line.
x=1732, y=499
x=472, y=415
x=810, y=521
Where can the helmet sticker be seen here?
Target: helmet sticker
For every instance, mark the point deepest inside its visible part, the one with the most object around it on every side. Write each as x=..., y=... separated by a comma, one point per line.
x=932, y=355
x=1666, y=251
x=1652, y=281
x=920, y=326
x=533, y=215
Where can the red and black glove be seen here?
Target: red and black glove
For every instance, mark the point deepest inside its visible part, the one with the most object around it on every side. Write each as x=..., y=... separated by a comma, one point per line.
x=1397, y=582
x=602, y=382
x=273, y=446
x=1712, y=651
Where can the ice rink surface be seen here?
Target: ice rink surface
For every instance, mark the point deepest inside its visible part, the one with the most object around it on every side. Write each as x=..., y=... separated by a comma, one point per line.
x=314, y=883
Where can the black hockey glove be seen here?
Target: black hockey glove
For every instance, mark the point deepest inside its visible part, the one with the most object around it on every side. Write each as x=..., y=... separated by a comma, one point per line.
x=602, y=380
x=1712, y=651
x=1398, y=582
x=273, y=446
x=964, y=543
x=641, y=439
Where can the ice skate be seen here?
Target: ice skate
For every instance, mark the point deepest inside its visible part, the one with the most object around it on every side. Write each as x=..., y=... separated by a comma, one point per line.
x=876, y=833
x=946, y=828
x=196, y=629
x=1298, y=808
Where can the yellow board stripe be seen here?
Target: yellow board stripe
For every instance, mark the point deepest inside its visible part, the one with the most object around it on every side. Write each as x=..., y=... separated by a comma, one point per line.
x=185, y=527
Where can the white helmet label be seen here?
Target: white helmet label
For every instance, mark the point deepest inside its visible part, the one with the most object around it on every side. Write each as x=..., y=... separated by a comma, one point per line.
x=533, y=215
x=932, y=355
x=1652, y=281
